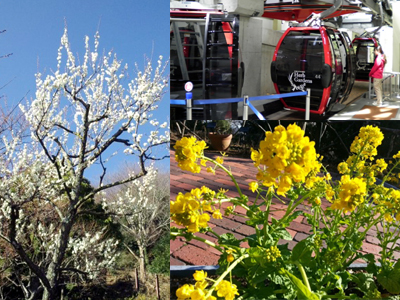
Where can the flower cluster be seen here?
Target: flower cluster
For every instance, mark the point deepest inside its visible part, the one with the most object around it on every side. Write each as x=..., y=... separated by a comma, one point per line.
x=287, y=155
x=198, y=291
x=189, y=209
x=367, y=141
x=227, y=290
x=352, y=193
x=272, y=254
x=287, y=164
x=188, y=152
x=364, y=148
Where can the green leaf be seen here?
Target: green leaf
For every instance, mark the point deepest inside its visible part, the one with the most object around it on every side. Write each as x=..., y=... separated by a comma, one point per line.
x=228, y=239
x=260, y=293
x=282, y=233
x=302, y=252
x=397, y=265
x=258, y=274
x=252, y=240
x=364, y=281
x=390, y=280
x=293, y=216
x=302, y=291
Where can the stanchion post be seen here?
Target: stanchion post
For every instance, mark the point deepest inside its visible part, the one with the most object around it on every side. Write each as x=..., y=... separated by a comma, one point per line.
x=189, y=106
x=308, y=99
x=245, y=107
x=390, y=86
x=369, y=87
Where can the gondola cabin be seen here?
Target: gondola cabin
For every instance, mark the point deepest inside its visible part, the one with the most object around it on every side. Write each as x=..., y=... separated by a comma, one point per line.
x=318, y=58
x=365, y=57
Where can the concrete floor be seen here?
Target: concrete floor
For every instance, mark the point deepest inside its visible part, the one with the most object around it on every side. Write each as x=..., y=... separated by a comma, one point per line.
x=364, y=109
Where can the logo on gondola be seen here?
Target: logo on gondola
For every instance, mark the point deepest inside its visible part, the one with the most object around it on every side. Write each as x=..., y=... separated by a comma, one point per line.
x=359, y=66
x=298, y=77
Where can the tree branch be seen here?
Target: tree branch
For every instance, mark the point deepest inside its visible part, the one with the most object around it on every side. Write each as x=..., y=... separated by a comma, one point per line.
x=131, y=252
x=18, y=248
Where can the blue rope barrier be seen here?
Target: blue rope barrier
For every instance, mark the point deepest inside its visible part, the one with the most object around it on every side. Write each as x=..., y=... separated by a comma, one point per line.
x=236, y=100
x=217, y=101
x=258, y=114
x=177, y=102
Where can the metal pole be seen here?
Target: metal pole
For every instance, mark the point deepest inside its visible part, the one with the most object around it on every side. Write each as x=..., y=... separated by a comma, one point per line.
x=398, y=85
x=205, y=54
x=308, y=98
x=369, y=88
x=188, y=106
x=245, y=107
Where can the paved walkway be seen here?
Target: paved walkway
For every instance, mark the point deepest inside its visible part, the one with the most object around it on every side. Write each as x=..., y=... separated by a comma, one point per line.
x=364, y=109
x=196, y=253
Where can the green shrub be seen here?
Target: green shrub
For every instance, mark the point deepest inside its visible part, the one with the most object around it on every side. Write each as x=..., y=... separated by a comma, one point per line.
x=160, y=256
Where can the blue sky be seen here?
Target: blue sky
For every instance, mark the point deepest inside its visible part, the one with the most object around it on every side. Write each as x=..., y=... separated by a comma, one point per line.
x=131, y=28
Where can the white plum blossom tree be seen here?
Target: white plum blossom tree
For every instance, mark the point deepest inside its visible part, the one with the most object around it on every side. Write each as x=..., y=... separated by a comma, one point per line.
x=79, y=113
x=141, y=208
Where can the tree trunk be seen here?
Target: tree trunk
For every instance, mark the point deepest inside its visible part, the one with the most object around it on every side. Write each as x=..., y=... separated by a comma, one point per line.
x=58, y=256
x=142, y=261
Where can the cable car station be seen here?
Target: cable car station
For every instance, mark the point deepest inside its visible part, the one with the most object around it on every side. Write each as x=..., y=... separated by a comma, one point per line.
x=283, y=59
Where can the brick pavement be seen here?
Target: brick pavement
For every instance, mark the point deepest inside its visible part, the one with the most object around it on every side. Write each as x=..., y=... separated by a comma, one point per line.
x=196, y=253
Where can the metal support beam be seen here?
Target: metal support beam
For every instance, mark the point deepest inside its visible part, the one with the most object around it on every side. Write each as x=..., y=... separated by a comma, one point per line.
x=376, y=10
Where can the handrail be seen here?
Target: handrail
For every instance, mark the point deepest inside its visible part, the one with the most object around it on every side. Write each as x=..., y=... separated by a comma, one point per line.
x=390, y=87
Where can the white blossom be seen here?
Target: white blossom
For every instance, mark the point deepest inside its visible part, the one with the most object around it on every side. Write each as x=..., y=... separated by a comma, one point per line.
x=77, y=113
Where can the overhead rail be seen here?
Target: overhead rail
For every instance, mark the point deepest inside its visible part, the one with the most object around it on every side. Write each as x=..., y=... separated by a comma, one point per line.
x=318, y=17
x=189, y=103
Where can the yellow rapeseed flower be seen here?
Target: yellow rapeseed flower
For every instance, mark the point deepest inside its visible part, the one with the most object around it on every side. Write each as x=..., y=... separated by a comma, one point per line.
x=217, y=214
x=388, y=218
x=188, y=151
x=253, y=186
x=188, y=209
x=365, y=144
x=285, y=157
x=351, y=194
x=211, y=170
x=198, y=294
x=343, y=168
x=227, y=290
x=230, y=258
x=184, y=291
x=200, y=275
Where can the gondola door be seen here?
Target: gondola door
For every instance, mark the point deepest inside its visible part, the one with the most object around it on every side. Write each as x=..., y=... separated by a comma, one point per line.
x=303, y=59
x=337, y=81
x=365, y=57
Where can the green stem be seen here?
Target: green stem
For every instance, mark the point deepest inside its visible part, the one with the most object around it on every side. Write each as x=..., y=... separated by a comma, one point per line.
x=223, y=275
x=214, y=233
x=291, y=207
x=358, y=156
x=227, y=172
x=207, y=242
x=303, y=275
x=390, y=172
